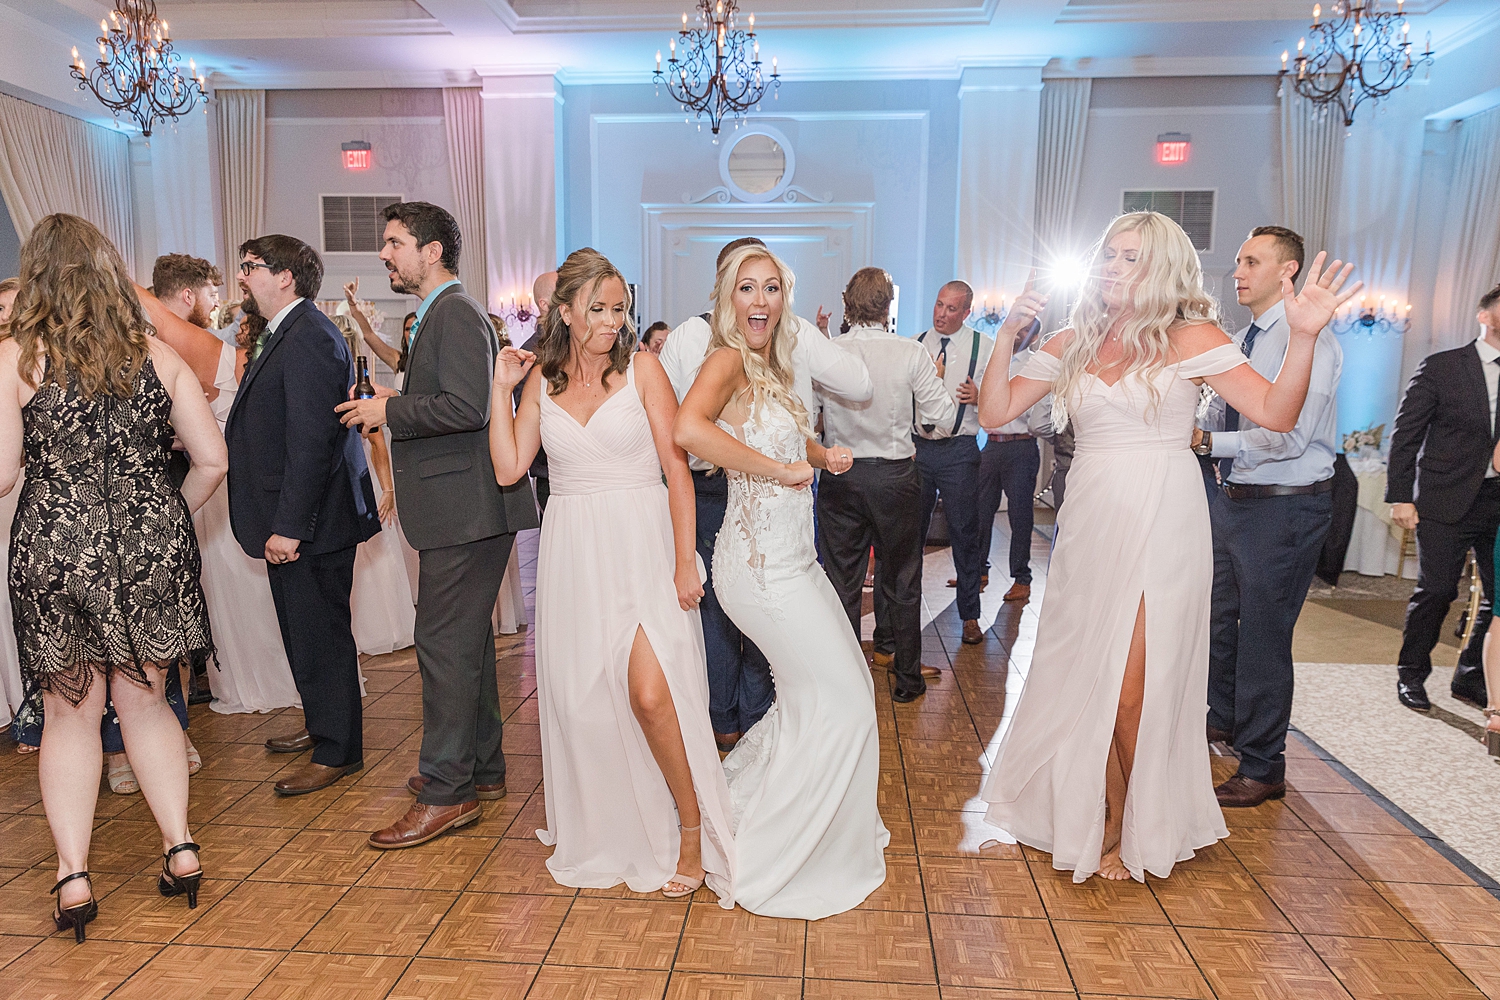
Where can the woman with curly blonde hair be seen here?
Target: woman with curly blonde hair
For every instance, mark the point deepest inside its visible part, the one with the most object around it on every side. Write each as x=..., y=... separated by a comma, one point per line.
x=1105, y=764
x=804, y=778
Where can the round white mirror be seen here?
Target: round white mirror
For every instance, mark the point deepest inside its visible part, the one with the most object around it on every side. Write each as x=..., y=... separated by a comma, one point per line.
x=757, y=164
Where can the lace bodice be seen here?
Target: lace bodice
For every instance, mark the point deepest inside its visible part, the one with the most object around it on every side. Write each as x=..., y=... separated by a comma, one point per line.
x=768, y=528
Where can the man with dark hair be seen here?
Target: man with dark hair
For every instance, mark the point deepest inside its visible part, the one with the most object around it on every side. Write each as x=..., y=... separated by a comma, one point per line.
x=187, y=286
x=740, y=689
x=654, y=337
x=1441, y=483
x=300, y=497
x=1269, y=516
x=458, y=519
x=878, y=501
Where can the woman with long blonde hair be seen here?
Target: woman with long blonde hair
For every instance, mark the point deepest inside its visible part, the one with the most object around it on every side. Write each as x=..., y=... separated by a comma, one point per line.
x=1105, y=764
x=804, y=778
x=635, y=793
x=104, y=571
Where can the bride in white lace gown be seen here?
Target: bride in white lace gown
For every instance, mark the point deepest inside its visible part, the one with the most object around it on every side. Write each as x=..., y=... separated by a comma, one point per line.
x=1105, y=764
x=803, y=781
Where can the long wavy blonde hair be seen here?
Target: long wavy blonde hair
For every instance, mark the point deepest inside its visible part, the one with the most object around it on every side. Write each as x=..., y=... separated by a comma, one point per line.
x=769, y=377
x=78, y=308
x=1167, y=289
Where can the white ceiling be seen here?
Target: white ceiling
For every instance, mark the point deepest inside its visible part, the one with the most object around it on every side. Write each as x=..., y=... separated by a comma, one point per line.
x=357, y=43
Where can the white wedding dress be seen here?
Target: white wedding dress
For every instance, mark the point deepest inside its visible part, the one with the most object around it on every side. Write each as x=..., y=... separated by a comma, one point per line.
x=1135, y=528
x=804, y=780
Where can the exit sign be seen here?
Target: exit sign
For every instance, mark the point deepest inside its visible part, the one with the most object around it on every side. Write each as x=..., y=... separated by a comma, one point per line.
x=357, y=156
x=1172, y=148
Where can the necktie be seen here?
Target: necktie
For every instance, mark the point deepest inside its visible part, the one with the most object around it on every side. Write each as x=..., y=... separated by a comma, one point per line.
x=260, y=343
x=942, y=357
x=1231, y=415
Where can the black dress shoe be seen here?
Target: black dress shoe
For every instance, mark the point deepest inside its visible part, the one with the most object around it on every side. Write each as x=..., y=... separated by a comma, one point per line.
x=1217, y=735
x=904, y=695
x=1470, y=689
x=1413, y=695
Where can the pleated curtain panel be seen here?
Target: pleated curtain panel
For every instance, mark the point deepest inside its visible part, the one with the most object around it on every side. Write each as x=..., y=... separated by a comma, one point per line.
x=1470, y=262
x=1312, y=160
x=241, y=124
x=51, y=162
x=463, y=119
x=1061, y=134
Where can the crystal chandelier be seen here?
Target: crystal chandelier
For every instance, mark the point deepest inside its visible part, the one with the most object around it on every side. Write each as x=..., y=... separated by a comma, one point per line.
x=1358, y=55
x=137, y=72
x=718, y=71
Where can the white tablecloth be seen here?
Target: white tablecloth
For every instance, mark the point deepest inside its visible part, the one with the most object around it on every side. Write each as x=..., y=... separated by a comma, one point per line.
x=1375, y=547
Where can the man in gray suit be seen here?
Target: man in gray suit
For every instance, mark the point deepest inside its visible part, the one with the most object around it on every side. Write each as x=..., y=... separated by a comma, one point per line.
x=461, y=522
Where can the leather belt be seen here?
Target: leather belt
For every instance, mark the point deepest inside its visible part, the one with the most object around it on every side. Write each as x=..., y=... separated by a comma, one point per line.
x=884, y=461
x=1007, y=438
x=1237, y=491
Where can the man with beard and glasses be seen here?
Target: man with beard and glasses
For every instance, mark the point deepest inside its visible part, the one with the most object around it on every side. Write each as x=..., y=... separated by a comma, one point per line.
x=300, y=497
x=453, y=512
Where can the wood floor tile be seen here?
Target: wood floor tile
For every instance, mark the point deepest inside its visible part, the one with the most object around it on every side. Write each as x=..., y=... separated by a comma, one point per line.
x=706, y=986
x=446, y=979
x=245, y=761
x=832, y=989
x=1242, y=965
x=1288, y=852
x=1399, y=970
x=329, y=857
x=1272, y=814
x=1130, y=959
x=1102, y=899
x=531, y=818
x=519, y=866
x=13, y=946
x=26, y=903
x=234, y=852
x=902, y=889
x=963, y=993
x=499, y=816
x=999, y=952
x=263, y=807
x=1344, y=813
x=1395, y=859
x=124, y=847
x=58, y=969
x=1223, y=899
x=364, y=808
x=387, y=734
x=1480, y=964
x=958, y=834
x=1307, y=774
x=522, y=739
x=395, y=706
x=301, y=976
x=393, y=770
x=1343, y=907
x=180, y=972
x=379, y=922
x=560, y=983
x=994, y=887
x=445, y=863
x=523, y=775
x=489, y=926
x=737, y=941
x=1461, y=914
x=958, y=727
x=880, y=945
x=137, y=911
x=945, y=792
x=620, y=933
x=263, y=915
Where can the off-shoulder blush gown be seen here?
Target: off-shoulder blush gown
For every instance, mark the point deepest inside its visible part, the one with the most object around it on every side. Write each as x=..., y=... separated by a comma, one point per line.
x=605, y=567
x=1135, y=526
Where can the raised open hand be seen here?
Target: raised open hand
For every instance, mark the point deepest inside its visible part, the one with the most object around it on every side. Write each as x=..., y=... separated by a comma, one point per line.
x=511, y=367
x=1322, y=294
x=351, y=291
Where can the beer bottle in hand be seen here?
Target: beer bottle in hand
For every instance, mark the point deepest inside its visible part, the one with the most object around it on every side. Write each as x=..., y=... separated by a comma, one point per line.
x=363, y=387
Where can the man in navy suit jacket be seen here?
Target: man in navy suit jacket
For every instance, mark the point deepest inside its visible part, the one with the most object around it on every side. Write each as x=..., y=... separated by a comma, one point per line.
x=300, y=497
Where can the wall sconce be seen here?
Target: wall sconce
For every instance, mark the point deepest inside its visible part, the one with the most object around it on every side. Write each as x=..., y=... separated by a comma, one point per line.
x=517, y=314
x=987, y=318
x=1383, y=317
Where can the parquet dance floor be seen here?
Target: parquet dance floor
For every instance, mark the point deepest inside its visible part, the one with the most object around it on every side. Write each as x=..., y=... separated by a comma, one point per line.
x=1324, y=895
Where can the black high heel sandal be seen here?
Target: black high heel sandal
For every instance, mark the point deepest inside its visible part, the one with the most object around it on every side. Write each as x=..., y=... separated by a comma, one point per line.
x=76, y=917
x=176, y=885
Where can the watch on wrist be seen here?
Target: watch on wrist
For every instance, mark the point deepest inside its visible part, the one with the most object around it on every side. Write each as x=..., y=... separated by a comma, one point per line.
x=1205, y=447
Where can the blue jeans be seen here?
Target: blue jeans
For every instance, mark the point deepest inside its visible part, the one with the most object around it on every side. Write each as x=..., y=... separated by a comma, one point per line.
x=740, y=688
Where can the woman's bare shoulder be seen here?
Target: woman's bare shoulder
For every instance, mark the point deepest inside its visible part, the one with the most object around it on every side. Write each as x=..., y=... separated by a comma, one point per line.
x=1192, y=338
x=1058, y=342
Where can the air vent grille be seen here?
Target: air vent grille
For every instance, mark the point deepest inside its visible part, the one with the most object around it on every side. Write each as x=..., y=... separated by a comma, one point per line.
x=353, y=223
x=1192, y=210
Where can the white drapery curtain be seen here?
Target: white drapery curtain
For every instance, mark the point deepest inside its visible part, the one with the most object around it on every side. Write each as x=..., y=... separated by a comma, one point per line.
x=1470, y=261
x=1312, y=160
x=463, y=120
x=241, y=123
x=1059, y=165
x=51, y=162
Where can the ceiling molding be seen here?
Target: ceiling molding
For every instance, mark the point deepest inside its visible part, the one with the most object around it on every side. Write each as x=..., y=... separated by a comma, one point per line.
x=652, y=21
x=1477, y=28
x=339, y=79
x=1059, y=69
x=295, y=19
x=1198, y=11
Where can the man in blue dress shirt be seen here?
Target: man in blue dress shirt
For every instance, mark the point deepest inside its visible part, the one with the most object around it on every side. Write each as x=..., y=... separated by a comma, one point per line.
x=1270, y=515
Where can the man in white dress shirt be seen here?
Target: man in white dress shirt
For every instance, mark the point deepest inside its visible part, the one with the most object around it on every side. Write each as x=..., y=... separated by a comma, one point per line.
x=740, y=689
x=948, y=452
x=878, y=501
x=1270, y=516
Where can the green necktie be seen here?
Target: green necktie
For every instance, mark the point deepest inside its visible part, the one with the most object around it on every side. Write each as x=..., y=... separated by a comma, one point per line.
x=260, y=343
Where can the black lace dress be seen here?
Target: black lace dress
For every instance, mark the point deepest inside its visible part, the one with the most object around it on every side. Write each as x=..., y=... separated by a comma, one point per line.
x=104, y=565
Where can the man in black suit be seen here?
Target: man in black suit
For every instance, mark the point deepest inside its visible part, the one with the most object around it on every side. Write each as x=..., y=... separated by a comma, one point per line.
x=1441, y=482
x=300, y=497
x=456, y=516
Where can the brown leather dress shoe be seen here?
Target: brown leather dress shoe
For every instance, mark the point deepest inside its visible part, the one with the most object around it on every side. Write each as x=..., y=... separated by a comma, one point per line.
x=1216, y=735
x=423, y=823
x=984, y=581
x=296, y=743
x=1018, y=592
x=973, y=634
x=312, y=777
x=883, y=659
x=927, y=672
x=487, y=793
x=1240, y=792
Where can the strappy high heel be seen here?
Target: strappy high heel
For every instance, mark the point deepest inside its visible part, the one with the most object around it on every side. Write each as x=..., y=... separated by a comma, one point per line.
x=76, y=917
x=1491, y=736
x=678, y=878
x=170, y=884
